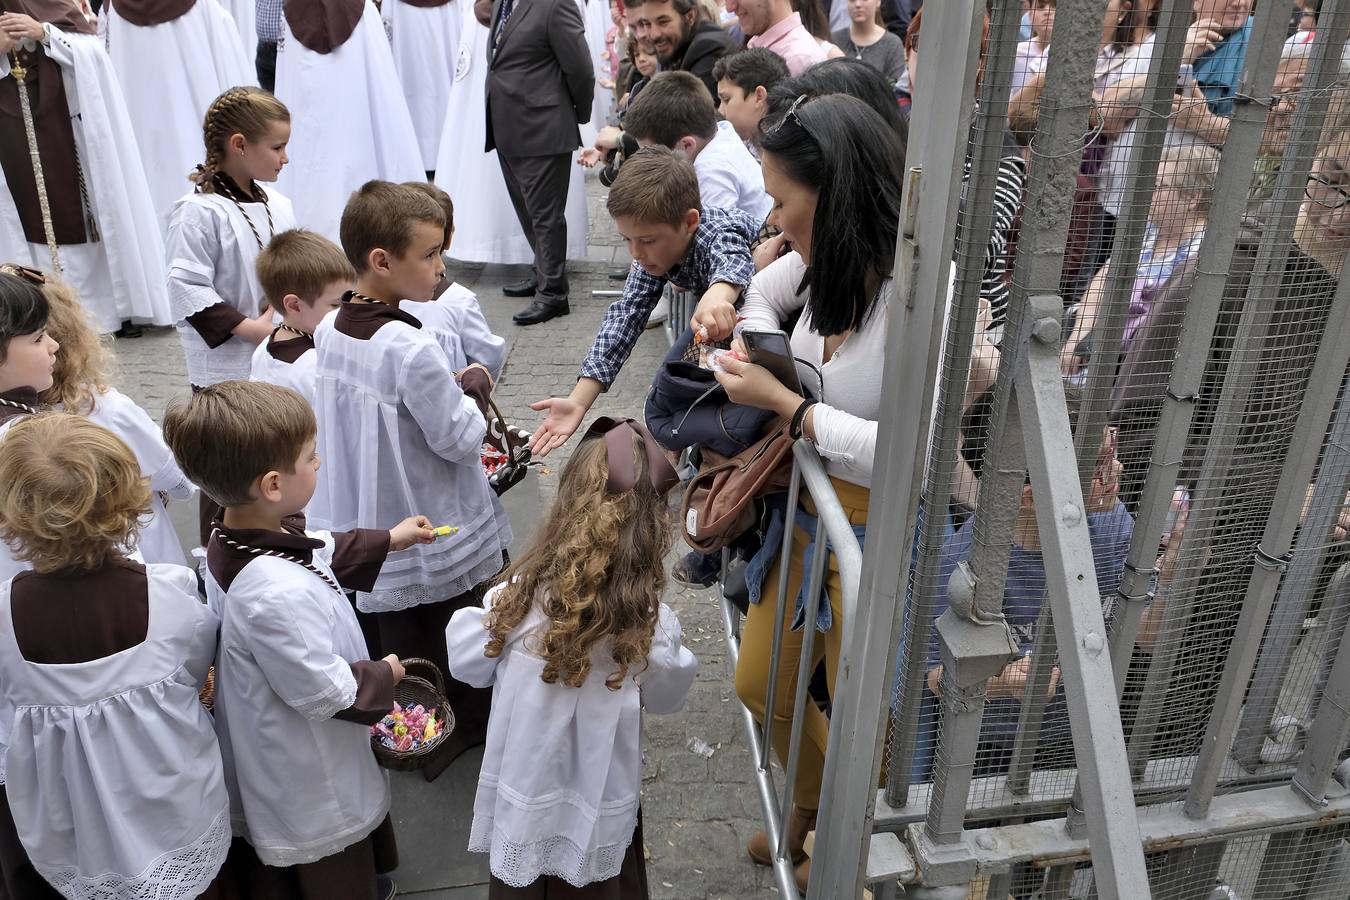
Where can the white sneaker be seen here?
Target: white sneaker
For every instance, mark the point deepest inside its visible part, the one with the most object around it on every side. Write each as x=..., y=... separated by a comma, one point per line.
x=660, y=313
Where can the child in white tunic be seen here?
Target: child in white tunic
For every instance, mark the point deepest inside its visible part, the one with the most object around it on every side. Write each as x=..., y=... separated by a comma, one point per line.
x=80, y=386
x=217, y=232
x=295, y=693
x=454, y=316
x=579, y=690
x=303, y=275
x=27, y=356
x=115, y=777
x=401, y=435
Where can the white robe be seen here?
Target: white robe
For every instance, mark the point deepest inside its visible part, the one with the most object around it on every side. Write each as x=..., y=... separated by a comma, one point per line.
x=197, y=56
x=118, y=787
x=119, y=414
x=597, y=21
x=425, y=42
x=299, y=376
x=120, y=276
x=457, y=321
x=351, y=122
x=486, y=228
x=245, y=17
x=399, y=438
x=303, y=785
x=212, y=252
x=572, y=818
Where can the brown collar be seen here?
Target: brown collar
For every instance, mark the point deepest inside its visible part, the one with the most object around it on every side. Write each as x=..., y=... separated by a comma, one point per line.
x=289, y=351
x=26, y=397
x=225, y=562
x=151, y=12
x=362, y=320
x=323, y=25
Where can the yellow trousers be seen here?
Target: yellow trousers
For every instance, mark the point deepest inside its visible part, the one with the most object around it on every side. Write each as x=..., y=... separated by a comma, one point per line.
x=752, y=671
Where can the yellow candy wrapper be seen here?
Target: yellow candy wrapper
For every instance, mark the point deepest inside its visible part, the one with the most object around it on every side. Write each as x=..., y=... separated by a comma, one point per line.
x=445, y=530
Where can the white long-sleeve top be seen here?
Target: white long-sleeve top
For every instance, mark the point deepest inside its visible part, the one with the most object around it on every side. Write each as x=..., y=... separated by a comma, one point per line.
x=456, y=321
x=558, y=791
x=849, y=384
x=212, y=249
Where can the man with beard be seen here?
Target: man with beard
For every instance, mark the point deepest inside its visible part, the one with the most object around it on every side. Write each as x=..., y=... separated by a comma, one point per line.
x=682, y=41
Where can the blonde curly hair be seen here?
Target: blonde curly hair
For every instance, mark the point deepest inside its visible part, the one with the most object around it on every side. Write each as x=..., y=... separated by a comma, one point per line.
x=80, y=374
x=71, y=493
x=596, y=570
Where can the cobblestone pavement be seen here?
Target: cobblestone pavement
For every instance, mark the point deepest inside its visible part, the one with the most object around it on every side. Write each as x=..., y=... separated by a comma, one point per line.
x=698, y=813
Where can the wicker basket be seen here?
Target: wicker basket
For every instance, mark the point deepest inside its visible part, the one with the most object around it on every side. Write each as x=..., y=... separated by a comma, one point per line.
x=411, y=691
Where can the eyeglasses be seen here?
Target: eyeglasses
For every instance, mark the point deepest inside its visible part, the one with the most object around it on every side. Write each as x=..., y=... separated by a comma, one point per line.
x=32, y=276
x=1328, y=194
x=791, y=114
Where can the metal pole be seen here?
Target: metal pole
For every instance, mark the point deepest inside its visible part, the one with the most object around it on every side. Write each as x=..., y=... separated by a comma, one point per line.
x=1216, y=251
x=940, y=131
x=1328, y=735
x=976, y=219
x=1174, y=18
x=1066, y=548
x=1296, y=591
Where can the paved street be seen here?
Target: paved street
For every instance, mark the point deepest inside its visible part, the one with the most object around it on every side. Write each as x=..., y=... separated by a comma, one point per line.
x=698, y=812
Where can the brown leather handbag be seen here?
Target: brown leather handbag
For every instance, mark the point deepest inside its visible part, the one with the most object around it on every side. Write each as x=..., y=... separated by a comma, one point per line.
x=718, y=504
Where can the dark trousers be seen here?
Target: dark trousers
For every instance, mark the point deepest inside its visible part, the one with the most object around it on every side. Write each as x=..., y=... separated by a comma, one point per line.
x=348, y=874
x=538, y=189
x=266, y=64
x=18, y=879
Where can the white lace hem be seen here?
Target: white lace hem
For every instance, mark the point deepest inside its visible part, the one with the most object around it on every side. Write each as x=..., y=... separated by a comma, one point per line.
x=177, y=875
x=397, y=599
x=520, y=865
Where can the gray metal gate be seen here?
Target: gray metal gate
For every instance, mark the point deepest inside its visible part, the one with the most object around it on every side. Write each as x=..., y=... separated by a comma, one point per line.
x=1168, y=718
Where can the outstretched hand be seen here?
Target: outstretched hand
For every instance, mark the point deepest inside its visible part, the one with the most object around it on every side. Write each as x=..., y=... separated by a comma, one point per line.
x=563, y=418
x=412, y=530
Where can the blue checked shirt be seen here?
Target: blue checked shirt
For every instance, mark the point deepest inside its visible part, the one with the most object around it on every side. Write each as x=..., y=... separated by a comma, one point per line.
x=720, y=251
x=268, y=20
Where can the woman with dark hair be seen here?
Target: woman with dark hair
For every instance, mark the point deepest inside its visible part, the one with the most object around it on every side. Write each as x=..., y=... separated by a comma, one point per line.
x=837, y=76
x=833, y=167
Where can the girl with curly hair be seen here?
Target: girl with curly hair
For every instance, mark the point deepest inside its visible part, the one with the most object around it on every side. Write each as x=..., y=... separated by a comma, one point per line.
x=577, y=645
x=80, y=385
x=101, y=662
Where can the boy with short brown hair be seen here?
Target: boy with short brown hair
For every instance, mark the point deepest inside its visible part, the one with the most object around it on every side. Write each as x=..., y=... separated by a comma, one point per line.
x=399, y=434
x=295, y=691
x=303, y=275
x=673, y=239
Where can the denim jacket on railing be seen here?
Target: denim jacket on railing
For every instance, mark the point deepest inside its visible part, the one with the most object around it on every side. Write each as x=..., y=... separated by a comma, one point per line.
x=767, y=555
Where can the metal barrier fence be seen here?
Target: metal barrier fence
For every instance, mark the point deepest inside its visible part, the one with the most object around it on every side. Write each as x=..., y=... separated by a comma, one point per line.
x=1134, y=682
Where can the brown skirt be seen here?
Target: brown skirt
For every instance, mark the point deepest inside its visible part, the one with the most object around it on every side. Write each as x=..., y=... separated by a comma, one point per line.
x=348, y=874
x=629, y=884
x=18, y=879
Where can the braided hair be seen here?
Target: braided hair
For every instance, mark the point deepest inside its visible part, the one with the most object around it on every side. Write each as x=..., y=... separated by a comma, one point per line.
x=249, y=111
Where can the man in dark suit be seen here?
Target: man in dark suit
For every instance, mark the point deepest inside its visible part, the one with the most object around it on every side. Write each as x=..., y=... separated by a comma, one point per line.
x=540, y=86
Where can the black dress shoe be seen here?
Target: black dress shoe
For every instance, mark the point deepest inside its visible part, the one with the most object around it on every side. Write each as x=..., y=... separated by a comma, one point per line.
x=519, y=288
x=541, y=311
x=129, y=329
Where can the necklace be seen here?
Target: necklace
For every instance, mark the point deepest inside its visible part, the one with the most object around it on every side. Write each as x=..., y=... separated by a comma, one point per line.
x=230, y=191
x=15, y=404
x=357, y=295
x=296, y=331
x=258, y=551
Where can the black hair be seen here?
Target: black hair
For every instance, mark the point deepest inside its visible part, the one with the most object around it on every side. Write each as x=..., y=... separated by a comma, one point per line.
x=977, y=416
x=749, y=69
x=837, y=76
x=841, y=147
x=23, y=309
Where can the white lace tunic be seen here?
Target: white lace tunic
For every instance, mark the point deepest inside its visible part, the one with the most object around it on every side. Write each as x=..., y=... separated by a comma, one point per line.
x=558, y=791
x=116, y=783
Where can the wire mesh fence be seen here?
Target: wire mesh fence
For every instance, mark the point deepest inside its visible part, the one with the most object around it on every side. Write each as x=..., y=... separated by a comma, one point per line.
x=1191, y=211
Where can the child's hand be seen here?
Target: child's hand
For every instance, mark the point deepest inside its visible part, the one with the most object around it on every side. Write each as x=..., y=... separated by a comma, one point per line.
x=412, y=530
x=255, y=331
x=717, y=314
x=397, y=666
x=589, y=158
